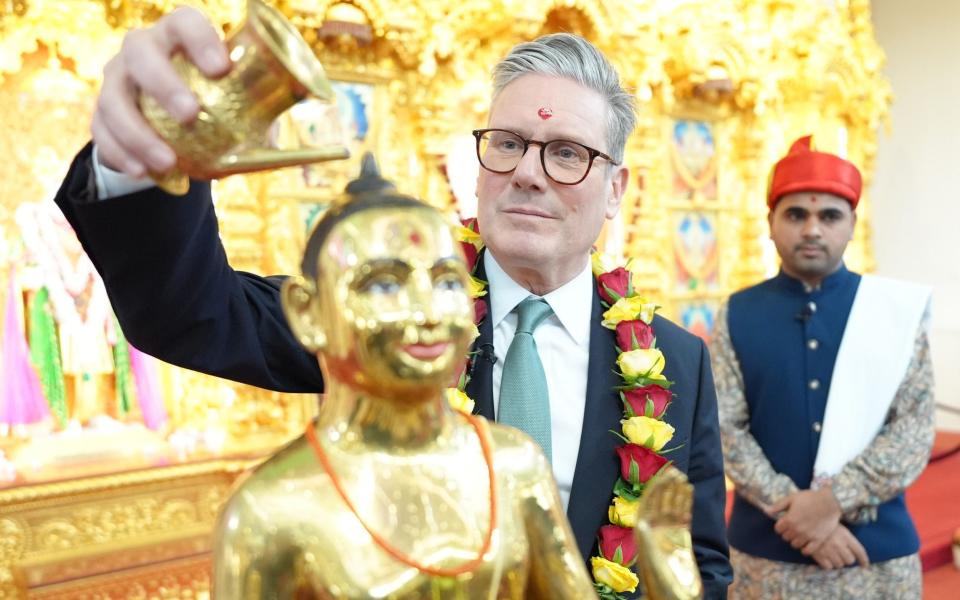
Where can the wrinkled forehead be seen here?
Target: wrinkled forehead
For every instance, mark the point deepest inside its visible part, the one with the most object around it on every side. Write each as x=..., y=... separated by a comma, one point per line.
x=417, y=236
x=548, y=107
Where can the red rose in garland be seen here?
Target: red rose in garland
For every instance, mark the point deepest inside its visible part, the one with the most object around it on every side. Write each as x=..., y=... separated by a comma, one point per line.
x=470, y=253
x=614, y=285
x=614, y=538
x=479, y=310
x=639, y=464
x=632, y=335
x=648, y=401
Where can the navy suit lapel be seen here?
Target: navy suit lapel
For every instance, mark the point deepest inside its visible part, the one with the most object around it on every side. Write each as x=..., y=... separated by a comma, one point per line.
x=480, y=387
x=597, y=466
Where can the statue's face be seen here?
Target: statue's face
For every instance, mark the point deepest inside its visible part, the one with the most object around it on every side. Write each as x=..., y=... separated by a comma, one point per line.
x=393, y=301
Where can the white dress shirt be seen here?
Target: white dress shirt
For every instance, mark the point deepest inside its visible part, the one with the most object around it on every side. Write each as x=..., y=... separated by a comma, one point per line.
x=112, y=183
x=563, y=343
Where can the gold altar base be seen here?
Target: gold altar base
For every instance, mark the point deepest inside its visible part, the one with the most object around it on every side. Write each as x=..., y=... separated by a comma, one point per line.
x=83, y=453
x=182, y=578
x=142, y=534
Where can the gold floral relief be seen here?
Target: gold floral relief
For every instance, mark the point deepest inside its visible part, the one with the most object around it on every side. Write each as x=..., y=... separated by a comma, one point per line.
x=63, y=536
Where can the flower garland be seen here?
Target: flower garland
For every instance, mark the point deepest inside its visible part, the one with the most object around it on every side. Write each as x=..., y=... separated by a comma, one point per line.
x=644, y=393
x=468, y=235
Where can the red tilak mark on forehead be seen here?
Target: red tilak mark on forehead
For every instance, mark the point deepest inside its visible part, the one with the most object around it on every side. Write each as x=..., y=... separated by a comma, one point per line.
x=545, y=113
x=813, y=198
x=415, y=238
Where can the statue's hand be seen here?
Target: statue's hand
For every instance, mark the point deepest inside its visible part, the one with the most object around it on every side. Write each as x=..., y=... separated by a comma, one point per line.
x=665, y=548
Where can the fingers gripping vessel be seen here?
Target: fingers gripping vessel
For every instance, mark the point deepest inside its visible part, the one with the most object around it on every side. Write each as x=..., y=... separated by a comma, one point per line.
x=273, y=69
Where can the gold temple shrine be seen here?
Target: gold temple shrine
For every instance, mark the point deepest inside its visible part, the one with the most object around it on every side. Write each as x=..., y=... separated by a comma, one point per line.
x=100, y=502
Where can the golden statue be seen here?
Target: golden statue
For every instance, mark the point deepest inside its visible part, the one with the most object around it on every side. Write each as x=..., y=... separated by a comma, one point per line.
x=390, y=493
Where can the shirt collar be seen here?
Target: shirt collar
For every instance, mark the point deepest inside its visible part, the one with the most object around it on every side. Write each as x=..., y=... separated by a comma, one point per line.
x=572, y=302
x=834, y=280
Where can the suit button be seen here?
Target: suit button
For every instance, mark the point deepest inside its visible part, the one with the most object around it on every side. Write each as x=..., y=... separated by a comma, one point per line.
x=812, y=307
x=814, y=384
x=817, y=426
x=813, y=344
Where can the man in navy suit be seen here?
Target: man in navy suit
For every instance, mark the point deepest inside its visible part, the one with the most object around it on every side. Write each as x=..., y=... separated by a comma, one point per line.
x=555, y=100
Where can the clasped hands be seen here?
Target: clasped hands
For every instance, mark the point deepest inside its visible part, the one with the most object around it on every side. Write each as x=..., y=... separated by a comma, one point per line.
x=809, y=520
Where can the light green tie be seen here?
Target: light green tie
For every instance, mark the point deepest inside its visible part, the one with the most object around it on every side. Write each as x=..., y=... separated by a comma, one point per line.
x=524, y=401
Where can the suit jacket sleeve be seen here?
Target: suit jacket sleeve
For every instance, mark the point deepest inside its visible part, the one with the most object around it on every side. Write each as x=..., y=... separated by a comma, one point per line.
x=706, y=474
x=173, y=290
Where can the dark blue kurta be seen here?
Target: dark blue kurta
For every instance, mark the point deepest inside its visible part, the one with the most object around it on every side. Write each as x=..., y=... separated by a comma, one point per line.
x=786, y=340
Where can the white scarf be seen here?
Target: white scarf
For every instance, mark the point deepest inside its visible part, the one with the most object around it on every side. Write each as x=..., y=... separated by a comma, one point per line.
x=874, y=354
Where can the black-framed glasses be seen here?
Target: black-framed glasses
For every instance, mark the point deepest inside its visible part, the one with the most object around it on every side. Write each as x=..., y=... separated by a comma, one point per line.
x=564, y=161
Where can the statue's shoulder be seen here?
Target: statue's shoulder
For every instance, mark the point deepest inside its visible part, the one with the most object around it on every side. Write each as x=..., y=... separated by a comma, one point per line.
x=516, y=451
x=285, y=461
x=293, y=461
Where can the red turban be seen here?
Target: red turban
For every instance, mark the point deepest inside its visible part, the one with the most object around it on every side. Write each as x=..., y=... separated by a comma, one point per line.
x=806, y=170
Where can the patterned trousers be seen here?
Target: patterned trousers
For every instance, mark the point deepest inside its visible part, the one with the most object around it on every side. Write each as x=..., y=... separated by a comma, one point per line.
x=760, y=579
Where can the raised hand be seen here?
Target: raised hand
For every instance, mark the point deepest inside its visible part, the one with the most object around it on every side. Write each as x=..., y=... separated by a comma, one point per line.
x=664, y=546
x=125, y=141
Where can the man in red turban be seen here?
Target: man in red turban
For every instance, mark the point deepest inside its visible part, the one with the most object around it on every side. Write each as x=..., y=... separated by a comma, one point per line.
x=812, y=197
x=804, y=169
x=823, y=382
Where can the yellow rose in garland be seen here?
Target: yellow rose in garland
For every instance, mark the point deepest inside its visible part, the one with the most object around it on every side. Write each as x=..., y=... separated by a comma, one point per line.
x=615, y=576
x=647, y=432
x=623, y=512
x=469, y=236
x=474, y=333
x=628, y=309
x=601, y=263
x=643, y=362
x=477, y=288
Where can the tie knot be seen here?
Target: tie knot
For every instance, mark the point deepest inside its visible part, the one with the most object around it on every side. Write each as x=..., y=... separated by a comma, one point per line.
x=530, y=313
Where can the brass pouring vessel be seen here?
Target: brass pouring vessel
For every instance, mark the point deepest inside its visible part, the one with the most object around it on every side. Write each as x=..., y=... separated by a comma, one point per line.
x=273, y=69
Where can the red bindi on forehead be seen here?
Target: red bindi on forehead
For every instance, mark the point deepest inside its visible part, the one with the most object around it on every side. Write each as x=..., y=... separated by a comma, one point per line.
x=813, y=198
x=545, y=113
x=415, y=238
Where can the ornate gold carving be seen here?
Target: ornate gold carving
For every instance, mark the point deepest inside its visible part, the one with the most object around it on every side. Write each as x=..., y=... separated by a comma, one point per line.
x=184, y=578
x=13, y=540
x=59, y=532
